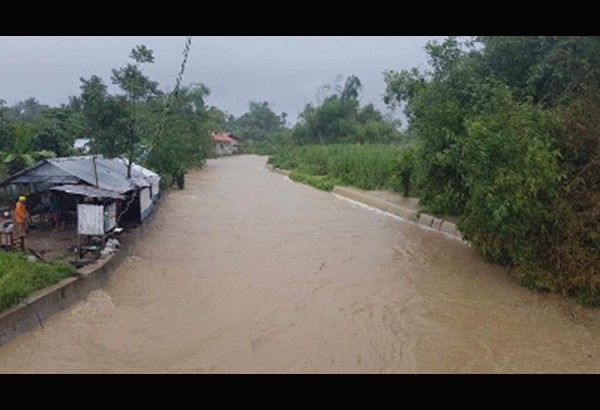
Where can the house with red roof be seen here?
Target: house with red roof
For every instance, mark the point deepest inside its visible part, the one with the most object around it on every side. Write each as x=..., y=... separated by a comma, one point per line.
x=226, y=144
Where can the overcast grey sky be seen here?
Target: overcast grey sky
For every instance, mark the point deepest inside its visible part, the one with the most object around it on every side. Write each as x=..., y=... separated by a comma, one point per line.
x=285, y=71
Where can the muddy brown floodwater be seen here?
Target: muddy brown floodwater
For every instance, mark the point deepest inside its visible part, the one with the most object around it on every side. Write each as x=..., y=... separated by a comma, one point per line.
x=246, y=271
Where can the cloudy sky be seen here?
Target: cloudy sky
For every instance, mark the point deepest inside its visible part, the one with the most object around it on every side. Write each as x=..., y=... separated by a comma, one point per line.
x=285, y=71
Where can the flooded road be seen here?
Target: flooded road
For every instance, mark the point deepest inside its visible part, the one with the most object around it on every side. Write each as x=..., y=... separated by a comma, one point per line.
x=246, y=271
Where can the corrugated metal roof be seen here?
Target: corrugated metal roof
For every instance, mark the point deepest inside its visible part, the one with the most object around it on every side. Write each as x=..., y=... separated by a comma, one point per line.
x=88, y=191
x=145, y=172
x=112, y=173
x=44, y=173
x=119, y=166
x=83, y=168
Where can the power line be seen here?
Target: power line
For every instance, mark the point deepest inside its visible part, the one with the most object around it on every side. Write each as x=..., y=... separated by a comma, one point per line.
x=165, y=113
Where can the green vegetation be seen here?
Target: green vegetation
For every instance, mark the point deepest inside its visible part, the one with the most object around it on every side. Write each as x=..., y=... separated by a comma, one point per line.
x=323, y=182
x=377, y=166
x=502, y=131
x=169, y=133
x=166, y=132
x=337, y=119
x=19, y=277
x=341, y=119
x=510, y=140
x=258, y=124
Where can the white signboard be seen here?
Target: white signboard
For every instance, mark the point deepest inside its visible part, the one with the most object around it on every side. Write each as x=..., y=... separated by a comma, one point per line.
x=110, y=217
x=145, y=203
x=155, y=188
x=90, y=219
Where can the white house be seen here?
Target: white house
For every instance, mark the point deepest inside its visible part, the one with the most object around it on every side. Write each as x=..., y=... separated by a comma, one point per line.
x=82, y=145
x=226, y=144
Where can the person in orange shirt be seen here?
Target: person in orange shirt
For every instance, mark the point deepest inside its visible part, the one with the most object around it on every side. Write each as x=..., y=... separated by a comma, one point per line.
x=21, y=217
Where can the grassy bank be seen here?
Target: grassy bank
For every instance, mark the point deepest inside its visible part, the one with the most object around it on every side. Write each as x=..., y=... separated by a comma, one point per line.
x=380, y=166
x=323, y=182
x=20, y=277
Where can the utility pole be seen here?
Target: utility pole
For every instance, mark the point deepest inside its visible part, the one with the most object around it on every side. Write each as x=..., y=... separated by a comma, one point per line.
x=95, y=170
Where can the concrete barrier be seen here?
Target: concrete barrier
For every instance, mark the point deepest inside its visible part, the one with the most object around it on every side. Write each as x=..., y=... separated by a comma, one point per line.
x=43, y=303
x=430, y=221
x=365, y=198
x=439, y=224
x=410, y=214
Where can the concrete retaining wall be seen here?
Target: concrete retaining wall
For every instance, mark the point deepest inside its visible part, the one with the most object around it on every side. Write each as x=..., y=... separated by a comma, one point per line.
x=430, y=221
x=378, y=203
x=40, y=305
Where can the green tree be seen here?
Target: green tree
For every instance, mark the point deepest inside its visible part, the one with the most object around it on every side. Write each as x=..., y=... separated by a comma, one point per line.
x=184, y=137
x=57, y=129
x=27, y=110
x=138, y=88
x=7, y=132
x=508, y=131
x=23, y=153
x=106, y=118
x=258, y=123
x=340, y=118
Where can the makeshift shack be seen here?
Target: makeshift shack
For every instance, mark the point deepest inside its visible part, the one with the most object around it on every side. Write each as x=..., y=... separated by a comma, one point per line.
x=106, y=175
x=90, y=189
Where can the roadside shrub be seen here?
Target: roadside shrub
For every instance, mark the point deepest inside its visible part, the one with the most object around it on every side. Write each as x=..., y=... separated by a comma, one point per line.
x=405, y=176
x=511, y=170
x=572, y=243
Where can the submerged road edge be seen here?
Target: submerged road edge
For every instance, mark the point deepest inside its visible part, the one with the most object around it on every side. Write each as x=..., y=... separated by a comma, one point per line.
x=419, y=218
x=411, y=215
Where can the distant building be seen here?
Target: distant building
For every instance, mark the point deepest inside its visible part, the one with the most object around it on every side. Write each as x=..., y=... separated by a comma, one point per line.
x=226, y=144
x=82, y=145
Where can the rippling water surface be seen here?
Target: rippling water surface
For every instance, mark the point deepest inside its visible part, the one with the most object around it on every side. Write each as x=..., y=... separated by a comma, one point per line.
x=246, y=271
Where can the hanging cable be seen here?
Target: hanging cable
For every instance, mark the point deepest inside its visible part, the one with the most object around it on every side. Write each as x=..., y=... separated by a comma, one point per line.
x=166, y=111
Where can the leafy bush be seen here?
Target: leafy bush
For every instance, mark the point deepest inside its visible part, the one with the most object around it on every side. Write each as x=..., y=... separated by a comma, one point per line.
x=511, y=170
x=405, y=177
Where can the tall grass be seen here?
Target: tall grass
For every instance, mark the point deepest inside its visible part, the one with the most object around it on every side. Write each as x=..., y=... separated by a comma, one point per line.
x=378, y=166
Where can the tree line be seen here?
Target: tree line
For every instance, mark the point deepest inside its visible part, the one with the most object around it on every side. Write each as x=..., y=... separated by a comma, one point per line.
x=168, y=133
x=337, y=117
